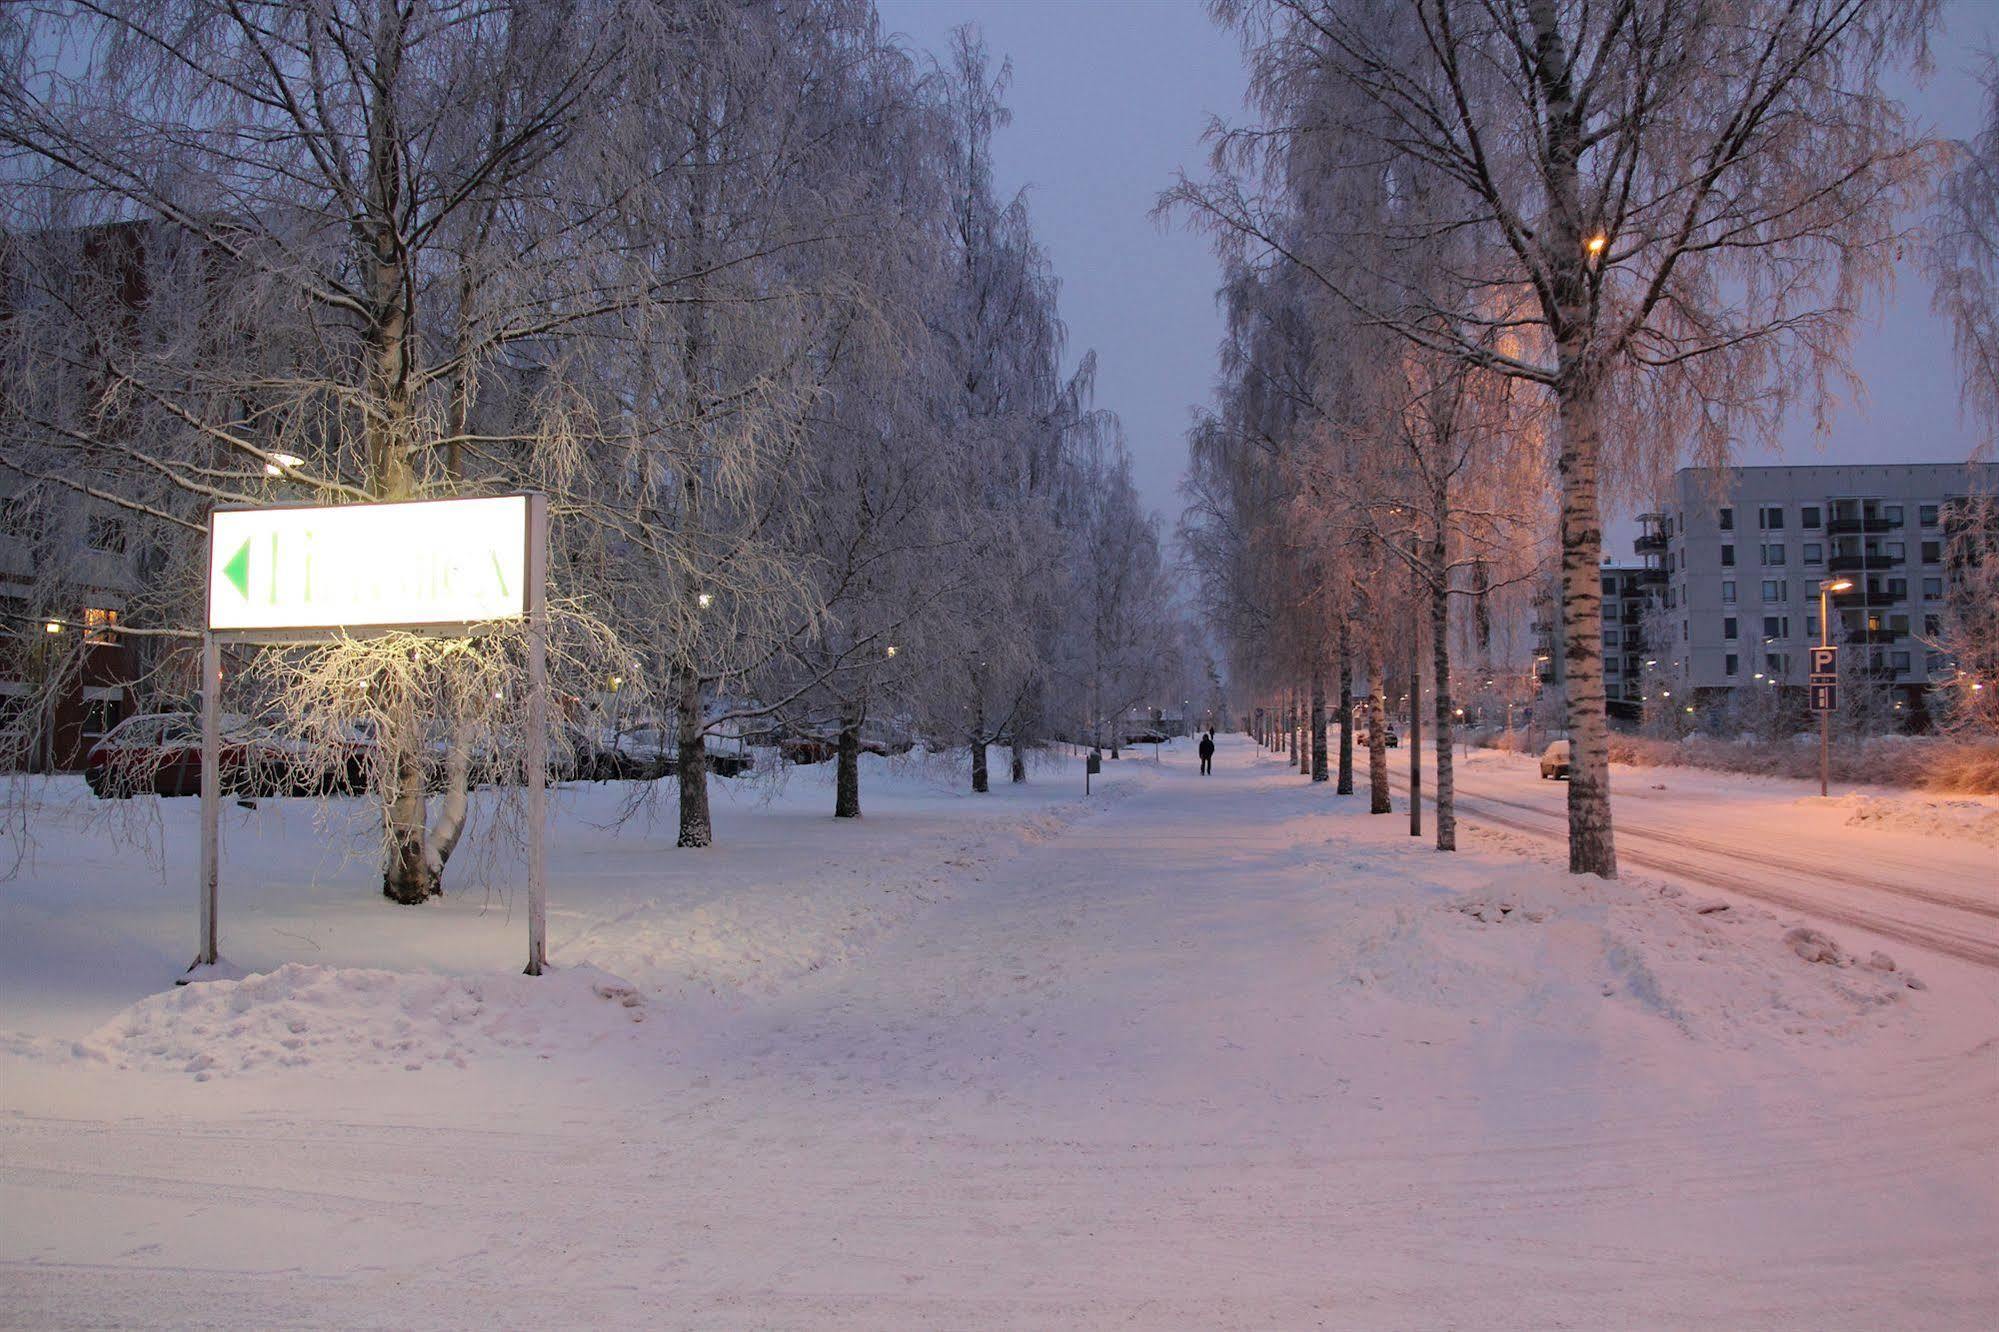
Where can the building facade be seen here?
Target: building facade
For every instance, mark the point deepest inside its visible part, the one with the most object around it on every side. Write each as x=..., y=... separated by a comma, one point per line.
x=1743, y=554
x=1633, y=593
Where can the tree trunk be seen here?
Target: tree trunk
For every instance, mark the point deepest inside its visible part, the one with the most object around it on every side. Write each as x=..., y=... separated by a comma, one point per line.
x=691, y=762
x=1578, y=392
x=1345, y=786
x=981, y=782
x=1440, y=667
x=1377, y=742
x=1319, y=773
x=1019, y=764
x=1291, y=725
x=1415, y=712
x=456, y=802
x=406, y=878
x=847, y=777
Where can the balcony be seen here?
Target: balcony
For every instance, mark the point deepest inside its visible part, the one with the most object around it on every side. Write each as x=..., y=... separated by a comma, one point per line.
x=1650, y=543
x=1859, y=563
x=1874, y=636
x=1848, y=526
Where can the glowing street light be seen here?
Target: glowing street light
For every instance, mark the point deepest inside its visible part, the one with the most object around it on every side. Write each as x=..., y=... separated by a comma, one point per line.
x=1596, y=245
x=891, y=649
x=52, y=627
x=705, y=600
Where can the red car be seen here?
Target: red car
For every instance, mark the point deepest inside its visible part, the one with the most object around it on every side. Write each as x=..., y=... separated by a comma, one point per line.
x=159, y=753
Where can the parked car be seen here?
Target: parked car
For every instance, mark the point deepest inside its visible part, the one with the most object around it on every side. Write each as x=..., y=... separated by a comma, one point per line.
x=1555, y=761
x=1145, y=735
x=159, y=753
x=1389, y=739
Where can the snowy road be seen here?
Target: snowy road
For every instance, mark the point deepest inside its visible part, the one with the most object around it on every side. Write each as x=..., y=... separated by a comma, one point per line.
x=1227, y=1053
x=1767, y=839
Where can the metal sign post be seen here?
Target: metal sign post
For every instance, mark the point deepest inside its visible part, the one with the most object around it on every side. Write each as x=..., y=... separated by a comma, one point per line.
x=537, y=746
x=1825, y=702
x=291, y=574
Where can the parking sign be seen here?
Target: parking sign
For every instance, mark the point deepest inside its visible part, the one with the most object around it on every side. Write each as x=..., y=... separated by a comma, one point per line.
x=1825, y=697
x=1825, y=661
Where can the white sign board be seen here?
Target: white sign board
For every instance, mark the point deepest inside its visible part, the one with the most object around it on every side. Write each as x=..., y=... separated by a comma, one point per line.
x=369, y=566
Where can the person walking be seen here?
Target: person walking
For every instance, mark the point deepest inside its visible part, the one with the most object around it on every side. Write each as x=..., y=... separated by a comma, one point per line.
x=1207, y=753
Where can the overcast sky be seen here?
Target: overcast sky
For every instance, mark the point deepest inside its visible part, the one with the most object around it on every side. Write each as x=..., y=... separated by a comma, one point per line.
x=1110, y=98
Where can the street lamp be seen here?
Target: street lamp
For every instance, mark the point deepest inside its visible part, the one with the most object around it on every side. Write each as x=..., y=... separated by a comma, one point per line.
x=1827, y=586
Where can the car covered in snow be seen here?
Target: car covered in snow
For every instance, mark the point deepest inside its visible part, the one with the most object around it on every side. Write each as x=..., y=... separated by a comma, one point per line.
x=1555, y=761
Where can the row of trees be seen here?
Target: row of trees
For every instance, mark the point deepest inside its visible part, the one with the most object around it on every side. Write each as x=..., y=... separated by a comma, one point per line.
x=732, y=283
x=1476, y=243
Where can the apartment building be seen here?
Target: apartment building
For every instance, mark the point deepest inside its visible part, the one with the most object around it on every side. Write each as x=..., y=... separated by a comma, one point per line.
x=65, y=672
x=1632, y=590
x=1743, y=553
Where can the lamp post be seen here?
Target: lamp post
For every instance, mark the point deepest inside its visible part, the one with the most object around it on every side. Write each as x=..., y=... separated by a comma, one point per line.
x=1827, y=586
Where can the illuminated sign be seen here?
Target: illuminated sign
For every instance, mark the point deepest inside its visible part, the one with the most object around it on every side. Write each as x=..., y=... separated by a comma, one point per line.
x=424, y=564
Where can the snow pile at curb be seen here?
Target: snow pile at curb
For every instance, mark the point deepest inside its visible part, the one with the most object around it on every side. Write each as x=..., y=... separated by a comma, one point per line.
x=1970, y=819
x=1524, y=940
x=302, y=1016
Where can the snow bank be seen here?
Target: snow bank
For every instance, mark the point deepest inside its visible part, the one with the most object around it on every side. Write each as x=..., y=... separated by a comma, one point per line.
x=1532, y=942
x=1969, y=819
x=303, y=1016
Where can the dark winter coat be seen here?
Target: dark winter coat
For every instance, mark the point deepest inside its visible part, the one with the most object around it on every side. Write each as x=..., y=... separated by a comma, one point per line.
x=1207, y=747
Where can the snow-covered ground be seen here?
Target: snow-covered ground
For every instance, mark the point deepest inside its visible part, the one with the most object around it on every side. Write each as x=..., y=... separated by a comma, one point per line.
x=1195, y=1052
x=1899, y=869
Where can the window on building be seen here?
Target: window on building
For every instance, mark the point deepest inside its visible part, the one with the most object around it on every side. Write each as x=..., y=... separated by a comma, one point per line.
x=1895, y=550
x=1773, y=552
x=1728, y=627
x=107, y=534
x=1811, y=626
x=1728, y=557
x=1729, y=664
x=100, y=715
x=1773, y=662
x=21, y=517
x=1898, y=589
x=1893, y=513
x=1933, y=552
x=1933, y=589
x=1770, y=517
x=1728, y=591
x=1776, y=589
x=1726, y=517
x=1932, y=625
x=1610, y=587
x=1899, y=660
x=1808, y=517
x=1928, y=514
x=1814, y=552
x=100, y=625
x=1683, y=631
x=1610, y=638
x=1898, y=625
x=1776, y=626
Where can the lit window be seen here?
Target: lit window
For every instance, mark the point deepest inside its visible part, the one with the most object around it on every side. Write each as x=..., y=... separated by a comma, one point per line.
x=100, y=625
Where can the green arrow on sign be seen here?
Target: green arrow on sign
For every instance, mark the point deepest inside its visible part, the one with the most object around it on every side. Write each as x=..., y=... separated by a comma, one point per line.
x=237, y=570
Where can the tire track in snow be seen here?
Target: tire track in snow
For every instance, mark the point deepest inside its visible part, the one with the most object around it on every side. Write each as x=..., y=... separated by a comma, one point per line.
x=1965, y=945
